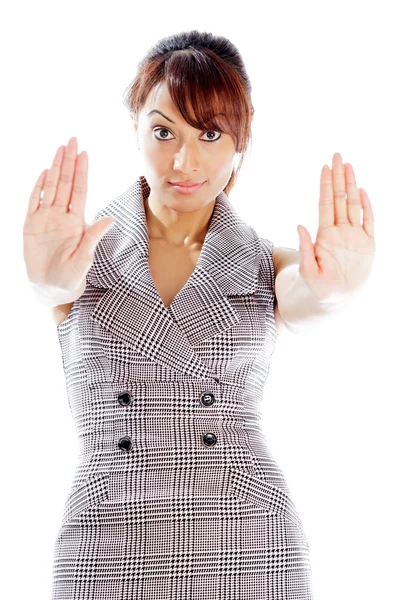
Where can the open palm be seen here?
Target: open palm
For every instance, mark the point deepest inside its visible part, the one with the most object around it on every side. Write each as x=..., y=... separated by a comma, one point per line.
x=339, y=263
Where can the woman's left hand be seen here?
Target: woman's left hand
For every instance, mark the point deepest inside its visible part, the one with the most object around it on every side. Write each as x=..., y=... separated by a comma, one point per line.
x=340, y=261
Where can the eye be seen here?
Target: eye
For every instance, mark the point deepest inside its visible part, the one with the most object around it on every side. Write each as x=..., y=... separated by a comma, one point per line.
x=213, y=131
x=161, y=129
x=163, y=139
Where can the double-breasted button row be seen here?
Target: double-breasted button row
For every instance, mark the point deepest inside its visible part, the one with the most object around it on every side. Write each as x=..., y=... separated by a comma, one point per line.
x=207, y=398
x=124, y=442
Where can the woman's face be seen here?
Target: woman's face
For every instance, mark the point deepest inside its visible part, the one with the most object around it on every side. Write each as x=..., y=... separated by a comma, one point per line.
x=176, y=151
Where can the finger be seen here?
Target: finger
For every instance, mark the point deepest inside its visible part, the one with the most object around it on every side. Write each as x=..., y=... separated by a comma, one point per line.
x=339, y=186
x=51, y=179
x=326, y=201
x=35, y=196
x=353, y=197
x=80, y=185
x=368, y=217
x=66, y=177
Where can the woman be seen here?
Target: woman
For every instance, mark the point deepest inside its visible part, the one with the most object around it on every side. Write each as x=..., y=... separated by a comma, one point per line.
x=167, y=325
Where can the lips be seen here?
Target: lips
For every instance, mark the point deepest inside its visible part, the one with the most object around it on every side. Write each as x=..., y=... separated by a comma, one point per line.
x=186, y=189
x=186, y=183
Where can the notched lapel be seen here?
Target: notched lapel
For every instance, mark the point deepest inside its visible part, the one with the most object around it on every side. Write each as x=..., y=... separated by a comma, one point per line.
x=131, y=313
x=131, y=309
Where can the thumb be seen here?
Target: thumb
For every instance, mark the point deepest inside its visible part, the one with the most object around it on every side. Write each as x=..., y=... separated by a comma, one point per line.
x=309, y=267
x=92, y=236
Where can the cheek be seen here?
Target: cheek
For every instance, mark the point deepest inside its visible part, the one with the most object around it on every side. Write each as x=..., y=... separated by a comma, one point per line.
x=224, y=161
x=222, y=172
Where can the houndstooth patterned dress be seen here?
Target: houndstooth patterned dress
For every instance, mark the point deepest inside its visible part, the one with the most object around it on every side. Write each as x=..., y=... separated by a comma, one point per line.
x=175, y=493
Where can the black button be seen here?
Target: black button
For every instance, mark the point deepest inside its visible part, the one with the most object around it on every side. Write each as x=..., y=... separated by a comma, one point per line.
x=209, y=439
x=124, y=398
x=124, y=443
x=217, y=379
x=207, y=398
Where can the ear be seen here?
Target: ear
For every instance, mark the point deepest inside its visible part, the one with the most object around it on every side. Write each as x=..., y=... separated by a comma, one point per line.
x=134, y=122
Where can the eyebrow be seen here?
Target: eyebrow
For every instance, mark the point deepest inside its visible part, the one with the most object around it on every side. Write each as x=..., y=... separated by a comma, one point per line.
x=160, y=113
x=171, y=121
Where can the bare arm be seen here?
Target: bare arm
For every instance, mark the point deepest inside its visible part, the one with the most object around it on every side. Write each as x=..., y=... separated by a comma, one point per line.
x=61, y=312
x=297, y=307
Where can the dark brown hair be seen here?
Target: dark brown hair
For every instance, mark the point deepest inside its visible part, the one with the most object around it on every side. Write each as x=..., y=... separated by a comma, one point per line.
x=205, y=72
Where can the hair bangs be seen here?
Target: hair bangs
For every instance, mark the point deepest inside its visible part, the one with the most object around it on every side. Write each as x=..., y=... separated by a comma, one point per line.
x=200, y=92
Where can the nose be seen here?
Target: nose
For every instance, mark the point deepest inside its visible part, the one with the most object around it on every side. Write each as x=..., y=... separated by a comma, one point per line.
x=187, y=159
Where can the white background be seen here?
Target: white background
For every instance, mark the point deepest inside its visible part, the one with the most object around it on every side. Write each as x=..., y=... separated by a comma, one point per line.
x=321, y=75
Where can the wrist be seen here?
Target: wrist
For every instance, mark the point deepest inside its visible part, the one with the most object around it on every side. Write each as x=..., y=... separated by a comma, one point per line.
x=52, y=296
x=298, y=306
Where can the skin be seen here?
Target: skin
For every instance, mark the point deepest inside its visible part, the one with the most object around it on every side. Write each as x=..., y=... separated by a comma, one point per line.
x=334, y=267
x=177, y=153
x=338, y=264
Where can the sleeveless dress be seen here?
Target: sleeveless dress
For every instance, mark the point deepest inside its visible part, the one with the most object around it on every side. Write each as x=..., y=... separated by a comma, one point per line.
x=175, y=494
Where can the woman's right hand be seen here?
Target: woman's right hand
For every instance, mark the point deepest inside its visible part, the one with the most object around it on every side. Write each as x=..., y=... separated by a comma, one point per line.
x=58, y=246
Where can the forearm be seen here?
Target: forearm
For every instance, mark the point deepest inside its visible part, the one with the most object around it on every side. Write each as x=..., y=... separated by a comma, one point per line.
x=297, y=306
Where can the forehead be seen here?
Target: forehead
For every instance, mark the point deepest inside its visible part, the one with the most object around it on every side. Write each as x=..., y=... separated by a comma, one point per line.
x=159, y=97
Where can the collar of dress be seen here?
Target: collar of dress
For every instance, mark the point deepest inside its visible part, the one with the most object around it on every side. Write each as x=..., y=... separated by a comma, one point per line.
x=131, y=309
